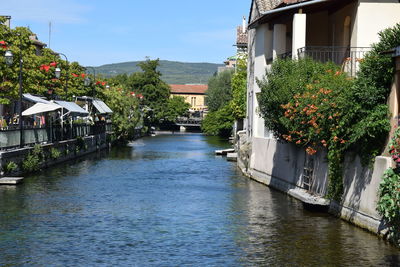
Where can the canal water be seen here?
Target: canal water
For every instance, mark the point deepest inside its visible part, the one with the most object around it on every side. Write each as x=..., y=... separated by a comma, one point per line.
x=168, y=201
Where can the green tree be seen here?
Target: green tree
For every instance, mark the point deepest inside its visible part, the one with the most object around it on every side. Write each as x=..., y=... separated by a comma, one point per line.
x=176, y=107
x=126, y=113
x=219, y=91
x=218, y=122
x=239, y=89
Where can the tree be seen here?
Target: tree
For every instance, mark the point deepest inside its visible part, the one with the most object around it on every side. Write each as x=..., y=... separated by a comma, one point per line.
x=176, y=107
x=219, y=91
x=155, y=91
x=126, y=112
x=218, y=122
x=239, y=89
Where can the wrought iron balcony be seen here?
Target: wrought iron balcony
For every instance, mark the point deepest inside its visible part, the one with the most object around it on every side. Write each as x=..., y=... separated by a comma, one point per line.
x=347, y=57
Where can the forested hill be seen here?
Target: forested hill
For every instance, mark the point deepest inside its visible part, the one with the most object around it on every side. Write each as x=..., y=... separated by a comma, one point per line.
x=173, y=72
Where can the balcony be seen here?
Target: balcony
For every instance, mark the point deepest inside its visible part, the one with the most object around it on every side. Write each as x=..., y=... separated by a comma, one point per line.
x=347, y=57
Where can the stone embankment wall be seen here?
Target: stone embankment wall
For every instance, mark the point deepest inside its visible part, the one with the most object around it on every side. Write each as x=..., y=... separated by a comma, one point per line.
x=69, y=149
x=281, y=166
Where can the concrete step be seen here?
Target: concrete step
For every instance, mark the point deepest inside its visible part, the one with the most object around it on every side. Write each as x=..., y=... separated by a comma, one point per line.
x=11, y=180
x=231, y=156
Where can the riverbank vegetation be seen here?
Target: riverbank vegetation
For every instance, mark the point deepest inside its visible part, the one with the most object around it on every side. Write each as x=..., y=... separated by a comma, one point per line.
x=318, y=107
x=226, y=100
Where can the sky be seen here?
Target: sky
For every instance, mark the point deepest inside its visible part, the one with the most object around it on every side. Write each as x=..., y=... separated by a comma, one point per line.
x=97, y=32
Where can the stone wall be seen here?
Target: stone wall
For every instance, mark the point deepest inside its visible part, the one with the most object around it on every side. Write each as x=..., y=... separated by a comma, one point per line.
x=69, y=149
x=281, y=166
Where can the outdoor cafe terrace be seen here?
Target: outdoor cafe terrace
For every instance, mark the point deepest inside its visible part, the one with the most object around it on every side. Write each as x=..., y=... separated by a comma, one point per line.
x=46, y=121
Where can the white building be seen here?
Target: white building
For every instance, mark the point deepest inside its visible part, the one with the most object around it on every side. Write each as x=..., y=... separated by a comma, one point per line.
x=327, y=30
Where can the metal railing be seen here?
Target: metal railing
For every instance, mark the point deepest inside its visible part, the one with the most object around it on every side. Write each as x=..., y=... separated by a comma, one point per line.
x=10, y=137
x=185, y=121
x=347, y=57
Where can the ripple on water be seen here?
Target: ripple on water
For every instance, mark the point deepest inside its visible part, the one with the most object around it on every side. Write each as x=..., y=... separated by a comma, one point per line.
x=168, y=201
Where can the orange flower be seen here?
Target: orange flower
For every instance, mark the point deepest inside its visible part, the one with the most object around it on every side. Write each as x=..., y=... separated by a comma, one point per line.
x=310, y=151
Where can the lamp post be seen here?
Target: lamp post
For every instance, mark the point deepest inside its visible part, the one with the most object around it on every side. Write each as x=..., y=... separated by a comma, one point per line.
x=9, y=58
x=58, y=72
x=94, y=78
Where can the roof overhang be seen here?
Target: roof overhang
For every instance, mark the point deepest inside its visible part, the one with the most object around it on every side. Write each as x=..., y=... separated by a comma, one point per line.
x=307, y=6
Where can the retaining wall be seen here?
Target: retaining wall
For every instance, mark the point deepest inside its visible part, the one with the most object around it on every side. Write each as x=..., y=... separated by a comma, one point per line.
x=281, y=165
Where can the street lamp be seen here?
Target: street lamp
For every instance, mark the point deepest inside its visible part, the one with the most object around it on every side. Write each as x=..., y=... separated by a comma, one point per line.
x=58, y=75
x=9, y=58
x=87, y=81
x=57, y=72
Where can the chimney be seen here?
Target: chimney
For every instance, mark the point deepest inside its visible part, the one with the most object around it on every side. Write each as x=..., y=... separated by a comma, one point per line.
x=244, y=24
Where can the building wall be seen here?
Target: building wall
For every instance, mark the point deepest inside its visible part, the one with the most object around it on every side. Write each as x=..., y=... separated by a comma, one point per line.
x=373, y=18
x=197, y=102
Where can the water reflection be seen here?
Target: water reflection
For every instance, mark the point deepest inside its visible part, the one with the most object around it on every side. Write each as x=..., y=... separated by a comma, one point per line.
x=168, y=201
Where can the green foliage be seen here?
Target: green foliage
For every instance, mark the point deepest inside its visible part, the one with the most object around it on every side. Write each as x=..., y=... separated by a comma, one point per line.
x=33, y=160
x=54, y=153
x=176, y=107
x=239, y=89
x=389, y=202
x=80, y=144
x=218, y=122
x=38, y=70
x=219, y=91
x=126, y=112
x=314, y=105
x=10, y=167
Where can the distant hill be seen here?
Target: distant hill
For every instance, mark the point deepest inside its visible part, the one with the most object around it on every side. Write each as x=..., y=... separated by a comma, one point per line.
x=173, y=72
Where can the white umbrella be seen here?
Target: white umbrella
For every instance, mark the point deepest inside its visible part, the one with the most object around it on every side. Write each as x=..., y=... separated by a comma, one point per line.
x=40, y=108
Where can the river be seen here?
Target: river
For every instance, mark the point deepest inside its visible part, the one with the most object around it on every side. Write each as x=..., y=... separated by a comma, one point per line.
x=168, y=201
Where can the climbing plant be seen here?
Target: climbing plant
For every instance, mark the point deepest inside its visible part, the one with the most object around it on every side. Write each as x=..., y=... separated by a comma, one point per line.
x=314, y=105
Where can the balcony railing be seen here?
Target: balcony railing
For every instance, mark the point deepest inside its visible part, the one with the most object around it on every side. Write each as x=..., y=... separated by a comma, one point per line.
x=347, y=57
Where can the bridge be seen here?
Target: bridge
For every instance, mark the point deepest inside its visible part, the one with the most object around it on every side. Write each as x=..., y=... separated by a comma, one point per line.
x=188, y=122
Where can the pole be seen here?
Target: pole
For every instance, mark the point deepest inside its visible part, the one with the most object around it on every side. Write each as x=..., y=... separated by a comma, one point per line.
x=67, y=70
x=21, y=132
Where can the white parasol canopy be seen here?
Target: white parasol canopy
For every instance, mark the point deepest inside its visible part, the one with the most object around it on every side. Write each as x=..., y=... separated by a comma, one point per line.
x=40, y=108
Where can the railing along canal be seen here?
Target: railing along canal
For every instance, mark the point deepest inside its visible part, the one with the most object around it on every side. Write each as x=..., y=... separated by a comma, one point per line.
x=10, y=136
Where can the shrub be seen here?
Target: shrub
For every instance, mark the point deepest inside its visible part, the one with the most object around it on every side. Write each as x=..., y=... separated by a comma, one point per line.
x=389, y=202
x=33, y=160
x=54, y=153
x=10, y=167
x=218, y=122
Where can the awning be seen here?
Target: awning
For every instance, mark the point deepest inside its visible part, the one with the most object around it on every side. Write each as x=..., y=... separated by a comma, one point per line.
x=72, y=108
x=101, y=107
x=35, y=99
x=40, y=108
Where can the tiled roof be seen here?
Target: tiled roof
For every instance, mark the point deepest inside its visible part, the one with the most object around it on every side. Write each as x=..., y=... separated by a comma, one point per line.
x=266, y=5
x=241, y=37
x=188, y=88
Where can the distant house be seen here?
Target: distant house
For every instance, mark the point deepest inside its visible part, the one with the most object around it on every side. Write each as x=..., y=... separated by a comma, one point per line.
x=194, y=94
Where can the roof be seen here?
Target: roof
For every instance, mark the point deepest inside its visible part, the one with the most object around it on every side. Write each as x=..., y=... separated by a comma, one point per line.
x=35, y=99
x=270, y=8
x=101, y=107
x=188, y=88
x=241, y=37
x=72, y=107
x=36, y=41
x=40, y=108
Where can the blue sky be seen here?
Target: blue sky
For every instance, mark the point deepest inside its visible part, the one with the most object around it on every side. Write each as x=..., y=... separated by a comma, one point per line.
x=96, y=32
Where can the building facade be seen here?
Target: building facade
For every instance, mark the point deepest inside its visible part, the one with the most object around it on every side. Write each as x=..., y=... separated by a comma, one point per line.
x=326, y=30
x=194, y=94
